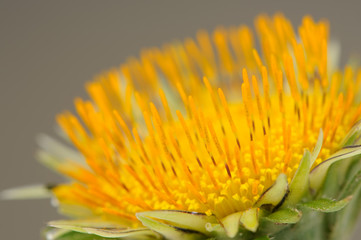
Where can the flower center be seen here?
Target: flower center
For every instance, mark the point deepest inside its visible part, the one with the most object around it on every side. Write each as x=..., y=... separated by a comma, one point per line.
x=210, y=145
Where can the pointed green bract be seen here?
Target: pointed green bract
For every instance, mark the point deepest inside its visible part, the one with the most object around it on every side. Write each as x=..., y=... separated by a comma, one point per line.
x=168, y=231
x=182, y=219
x=78, y=236
x=316, y=150
x=326, y=205
x=353, y=136
x=299, y=182
x=275, y=193
x=333, y=182
x=249, y=219
x=318, y=174
x=231, y=224
x=285, y=216
x=100, y=228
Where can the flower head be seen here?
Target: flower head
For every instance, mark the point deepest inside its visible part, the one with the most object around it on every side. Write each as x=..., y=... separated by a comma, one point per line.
x=222, y=126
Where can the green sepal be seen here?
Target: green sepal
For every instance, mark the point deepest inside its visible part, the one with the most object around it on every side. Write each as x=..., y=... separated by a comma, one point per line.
x=310, y=226
x=284, y=216
x=71, y=235
x=170, y=232
x=275, y=193
x=353, y=136
x=326, y=205
x=182, y=219
x=333, y=181
x=231, y=224
x=249, y=219
x=100, y=228
x=61, y=234
x=299, y=183
x=79, y=236
x=216, y=230
x=318, y=174
x=316, y=150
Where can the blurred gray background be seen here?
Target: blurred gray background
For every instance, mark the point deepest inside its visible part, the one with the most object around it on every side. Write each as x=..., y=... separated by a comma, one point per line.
x=49, y=49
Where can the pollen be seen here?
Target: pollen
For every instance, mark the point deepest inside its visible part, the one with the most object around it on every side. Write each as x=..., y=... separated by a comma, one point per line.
x=207, y=125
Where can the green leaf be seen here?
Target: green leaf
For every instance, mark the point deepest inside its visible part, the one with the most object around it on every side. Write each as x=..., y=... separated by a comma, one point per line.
x=326, y=205
x=275, y=193
x=182, y=219
x=284, y=216
x=168, y=231
x=100, y=228
x=299, y=182
x=310, y=227
x=318, y=174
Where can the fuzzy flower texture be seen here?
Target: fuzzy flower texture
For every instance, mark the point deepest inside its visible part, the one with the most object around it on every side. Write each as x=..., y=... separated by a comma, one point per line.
x=237, y=134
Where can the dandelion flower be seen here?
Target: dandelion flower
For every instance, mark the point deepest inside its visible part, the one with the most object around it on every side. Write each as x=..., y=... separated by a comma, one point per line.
x=216, y=137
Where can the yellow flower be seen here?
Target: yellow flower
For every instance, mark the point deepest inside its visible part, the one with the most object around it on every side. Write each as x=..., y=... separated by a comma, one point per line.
x=223, y=126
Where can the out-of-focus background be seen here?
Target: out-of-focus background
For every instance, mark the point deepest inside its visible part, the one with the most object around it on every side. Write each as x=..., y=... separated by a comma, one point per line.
x=50, y=49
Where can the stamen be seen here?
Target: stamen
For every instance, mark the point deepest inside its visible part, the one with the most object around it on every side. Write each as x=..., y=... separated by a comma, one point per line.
x=214, y=137
x=165, y=105
x=228, y=113
x=237, y=154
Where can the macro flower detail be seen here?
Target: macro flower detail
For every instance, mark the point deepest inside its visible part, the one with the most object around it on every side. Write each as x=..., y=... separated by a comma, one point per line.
x=229, y=136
